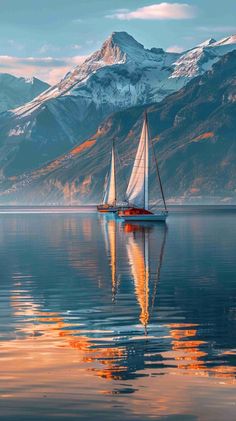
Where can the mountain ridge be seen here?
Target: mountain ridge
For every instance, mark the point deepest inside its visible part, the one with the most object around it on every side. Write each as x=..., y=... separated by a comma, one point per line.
x=15, y=91
x=69, y=112
x=194, y=132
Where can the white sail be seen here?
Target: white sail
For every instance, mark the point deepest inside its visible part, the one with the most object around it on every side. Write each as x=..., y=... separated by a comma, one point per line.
x=110, y=190
x=137, y=191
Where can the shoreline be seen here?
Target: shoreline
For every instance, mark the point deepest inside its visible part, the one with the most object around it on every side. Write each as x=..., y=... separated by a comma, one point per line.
x=53, y=209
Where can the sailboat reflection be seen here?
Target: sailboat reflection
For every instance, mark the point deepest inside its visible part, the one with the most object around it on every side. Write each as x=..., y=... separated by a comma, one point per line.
x=100, y=341
x=138, y=251
x=110, y=234
x=144, y=275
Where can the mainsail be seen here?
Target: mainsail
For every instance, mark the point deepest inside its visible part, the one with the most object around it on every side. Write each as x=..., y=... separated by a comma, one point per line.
x=137, y=191
x=110, y=190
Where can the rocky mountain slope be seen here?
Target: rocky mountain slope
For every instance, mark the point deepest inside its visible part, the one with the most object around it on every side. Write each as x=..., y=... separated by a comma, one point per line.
x=16, y=91
x=194, y=133
x=119, y=75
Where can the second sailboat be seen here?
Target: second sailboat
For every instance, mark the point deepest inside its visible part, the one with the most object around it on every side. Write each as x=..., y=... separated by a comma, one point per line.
x=110, y=195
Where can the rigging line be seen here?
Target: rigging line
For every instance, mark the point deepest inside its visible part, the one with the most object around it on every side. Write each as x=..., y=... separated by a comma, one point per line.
x=158, y=173
x=158, y=271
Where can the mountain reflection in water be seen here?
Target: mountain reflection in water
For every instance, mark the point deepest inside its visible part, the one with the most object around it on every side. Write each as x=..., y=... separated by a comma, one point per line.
x=92, y=308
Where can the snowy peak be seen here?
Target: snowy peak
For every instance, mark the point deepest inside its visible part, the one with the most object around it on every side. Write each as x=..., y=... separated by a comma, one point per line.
x=201, y=58
x=117, y=48
x=207, y=42
x=227, y=41
x=122, y=40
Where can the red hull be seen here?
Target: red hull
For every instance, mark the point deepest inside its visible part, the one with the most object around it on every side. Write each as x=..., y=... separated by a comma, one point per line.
x=134, y=211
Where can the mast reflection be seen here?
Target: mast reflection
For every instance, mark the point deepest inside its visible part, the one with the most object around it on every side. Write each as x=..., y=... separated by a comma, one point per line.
x=110, y=234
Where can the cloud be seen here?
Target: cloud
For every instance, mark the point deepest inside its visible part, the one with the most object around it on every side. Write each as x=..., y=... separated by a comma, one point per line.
x=77, y=20
x=45, y=48
x=50, y=48
x=76, y=46
x=158, y=11
x=15, y=44
x=49, y=69
x=218, y=29
x=175, y=49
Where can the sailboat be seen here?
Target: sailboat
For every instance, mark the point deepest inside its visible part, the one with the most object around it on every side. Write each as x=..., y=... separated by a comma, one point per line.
x=137, y=193
x=109, y=199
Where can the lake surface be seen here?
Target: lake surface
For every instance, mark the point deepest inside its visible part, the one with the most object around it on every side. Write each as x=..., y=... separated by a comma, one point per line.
x=101, y=320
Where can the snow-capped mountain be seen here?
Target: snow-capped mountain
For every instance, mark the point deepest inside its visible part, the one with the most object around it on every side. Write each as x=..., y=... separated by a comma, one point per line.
x=193, y=132
x=123, y=73
x=201, y=58
x=119, y=75
x=15, y=91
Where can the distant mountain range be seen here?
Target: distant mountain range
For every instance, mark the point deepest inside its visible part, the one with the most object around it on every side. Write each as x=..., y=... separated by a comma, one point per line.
x=16, y=91
x=121, y=74
x=194, y=133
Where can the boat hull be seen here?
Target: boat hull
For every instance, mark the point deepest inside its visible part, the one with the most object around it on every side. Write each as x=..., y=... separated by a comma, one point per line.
x=107, y=209
x=141, y=214
x=111, y=209
x=145, y=218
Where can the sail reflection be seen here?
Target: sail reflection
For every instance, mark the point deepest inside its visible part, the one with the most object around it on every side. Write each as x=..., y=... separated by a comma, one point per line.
x=138, y=249
x=110, y=233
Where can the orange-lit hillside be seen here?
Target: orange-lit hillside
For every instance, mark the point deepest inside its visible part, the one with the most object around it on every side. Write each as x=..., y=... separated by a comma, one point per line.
x=86, y=145
x=207, y=135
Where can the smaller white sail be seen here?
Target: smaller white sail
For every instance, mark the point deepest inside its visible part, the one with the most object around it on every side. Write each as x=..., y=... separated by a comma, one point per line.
x=137, y=191
x=110, y=189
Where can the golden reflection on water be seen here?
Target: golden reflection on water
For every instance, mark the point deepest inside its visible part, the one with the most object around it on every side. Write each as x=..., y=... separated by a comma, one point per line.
x=51, y=327
x=48, y=345
x=140, y=270
x=138, y=250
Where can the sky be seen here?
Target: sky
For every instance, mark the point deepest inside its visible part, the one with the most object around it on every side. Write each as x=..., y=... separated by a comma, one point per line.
x=46, y=38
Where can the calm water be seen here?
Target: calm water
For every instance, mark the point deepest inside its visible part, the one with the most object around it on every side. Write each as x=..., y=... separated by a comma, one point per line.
x=102, y=320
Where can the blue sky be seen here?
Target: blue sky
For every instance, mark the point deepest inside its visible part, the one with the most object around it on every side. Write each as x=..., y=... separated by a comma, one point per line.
x=47, y=37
